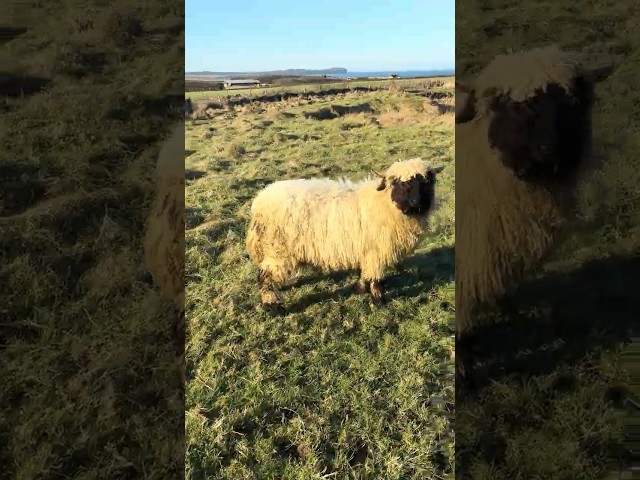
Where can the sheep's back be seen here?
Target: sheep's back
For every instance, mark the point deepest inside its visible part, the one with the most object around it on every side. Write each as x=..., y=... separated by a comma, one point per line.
x=315, y=221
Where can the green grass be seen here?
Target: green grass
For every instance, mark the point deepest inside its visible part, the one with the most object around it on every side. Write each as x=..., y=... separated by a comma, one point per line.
x=315, y=87
x=336, y=388
x=557, y=423
x=89, y=388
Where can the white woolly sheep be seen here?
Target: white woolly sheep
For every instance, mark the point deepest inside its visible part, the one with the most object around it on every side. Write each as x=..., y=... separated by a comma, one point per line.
x=339, y=225
x=523, y=134
x=164, y=237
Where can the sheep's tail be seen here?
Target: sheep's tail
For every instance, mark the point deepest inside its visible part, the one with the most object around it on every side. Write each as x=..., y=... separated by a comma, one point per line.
x=254, y=240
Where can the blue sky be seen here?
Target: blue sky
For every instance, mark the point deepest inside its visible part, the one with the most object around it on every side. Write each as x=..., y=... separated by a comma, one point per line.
x=254, y=35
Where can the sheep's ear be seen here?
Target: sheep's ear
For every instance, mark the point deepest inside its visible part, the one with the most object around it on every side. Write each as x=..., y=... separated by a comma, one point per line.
x=436, y=170
x=600, y=73
x=383, y=182
x=465, y=103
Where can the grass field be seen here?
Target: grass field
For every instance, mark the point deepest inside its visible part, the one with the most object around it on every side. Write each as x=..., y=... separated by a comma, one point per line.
x=89, y=388
x=554, y=416
x=336, y=388
x=315, y=87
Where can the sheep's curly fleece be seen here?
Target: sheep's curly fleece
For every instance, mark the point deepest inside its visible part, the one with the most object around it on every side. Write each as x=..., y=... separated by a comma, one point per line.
x=333, y=225
x=506, y=224
x=164, y=238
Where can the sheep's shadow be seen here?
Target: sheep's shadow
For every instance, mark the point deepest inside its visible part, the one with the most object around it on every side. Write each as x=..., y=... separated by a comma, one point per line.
x=548, y=325
x=412, y=277
x=554, y=321
x=416, y=274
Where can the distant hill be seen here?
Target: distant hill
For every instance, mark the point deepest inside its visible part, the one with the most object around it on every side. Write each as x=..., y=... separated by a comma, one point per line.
x=291, y=71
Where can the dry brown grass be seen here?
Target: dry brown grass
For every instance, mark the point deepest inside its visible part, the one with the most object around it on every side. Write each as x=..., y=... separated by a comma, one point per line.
x=427, y=113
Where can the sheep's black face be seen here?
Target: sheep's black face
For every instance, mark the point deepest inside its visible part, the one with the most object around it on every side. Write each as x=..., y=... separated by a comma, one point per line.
x=546, y=137
x=188, y=107
x=415, y=196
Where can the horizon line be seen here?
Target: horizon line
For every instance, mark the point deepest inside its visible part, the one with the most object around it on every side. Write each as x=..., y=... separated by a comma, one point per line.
x=356, y=70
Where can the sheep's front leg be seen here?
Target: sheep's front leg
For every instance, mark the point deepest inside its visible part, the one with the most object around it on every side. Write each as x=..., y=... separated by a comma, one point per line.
x=270, y=279
x=371, y=277
x=362, y=286
x=372, y=287
x=270, y=296
x=377, y=295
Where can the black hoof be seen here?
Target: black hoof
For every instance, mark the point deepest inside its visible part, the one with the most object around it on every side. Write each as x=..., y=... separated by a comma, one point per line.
x=274, y=309
x=378, y=301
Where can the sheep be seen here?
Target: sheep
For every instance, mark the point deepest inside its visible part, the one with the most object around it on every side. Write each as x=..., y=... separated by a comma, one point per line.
x=164, y=236
x=339, y=225
x=523, y=135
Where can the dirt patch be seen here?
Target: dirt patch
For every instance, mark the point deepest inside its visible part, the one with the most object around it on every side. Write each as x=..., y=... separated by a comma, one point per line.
x=443, y=107
x=193, y=174
x=346, y=126
x=431, y=95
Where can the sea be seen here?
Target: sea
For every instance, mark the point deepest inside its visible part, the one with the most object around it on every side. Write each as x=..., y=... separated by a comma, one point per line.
x=386, y=73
